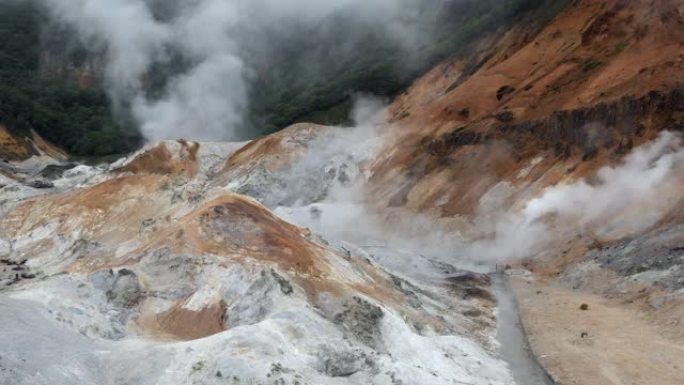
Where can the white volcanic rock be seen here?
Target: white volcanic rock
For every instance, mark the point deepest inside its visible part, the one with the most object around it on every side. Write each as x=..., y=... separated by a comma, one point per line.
x=150, y=272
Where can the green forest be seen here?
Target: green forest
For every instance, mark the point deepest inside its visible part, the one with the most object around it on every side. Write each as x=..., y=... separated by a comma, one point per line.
x=350, y=56
x=78, y=120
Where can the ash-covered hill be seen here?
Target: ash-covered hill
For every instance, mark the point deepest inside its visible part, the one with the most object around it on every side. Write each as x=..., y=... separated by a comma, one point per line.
x=155, y=266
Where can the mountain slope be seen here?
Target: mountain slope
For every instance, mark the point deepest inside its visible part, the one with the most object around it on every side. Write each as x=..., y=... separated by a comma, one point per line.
x=602, y=78
x=550, y=112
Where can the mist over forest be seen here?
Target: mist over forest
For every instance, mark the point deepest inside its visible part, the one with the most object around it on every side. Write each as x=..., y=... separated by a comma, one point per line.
x=100, y=79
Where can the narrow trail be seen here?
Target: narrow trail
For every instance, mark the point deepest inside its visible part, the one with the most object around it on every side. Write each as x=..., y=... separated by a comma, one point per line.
x=514, y=347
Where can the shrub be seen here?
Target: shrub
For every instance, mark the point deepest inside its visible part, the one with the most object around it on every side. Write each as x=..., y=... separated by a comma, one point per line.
x=619, y=47
x=591, y=64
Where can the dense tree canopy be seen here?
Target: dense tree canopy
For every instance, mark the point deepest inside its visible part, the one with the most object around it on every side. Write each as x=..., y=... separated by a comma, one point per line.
x=78, y=119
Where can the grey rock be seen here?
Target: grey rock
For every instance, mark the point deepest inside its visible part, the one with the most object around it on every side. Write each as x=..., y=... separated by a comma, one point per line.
x=40, y=184
x=362, y=320
x=285, y=286
x=126, y=290
x=656, y=256
x=342, y=363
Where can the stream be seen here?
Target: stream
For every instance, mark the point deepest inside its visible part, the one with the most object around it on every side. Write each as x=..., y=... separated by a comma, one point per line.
x=514, y=347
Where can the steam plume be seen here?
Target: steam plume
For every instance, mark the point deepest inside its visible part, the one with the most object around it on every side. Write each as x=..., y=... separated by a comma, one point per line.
x=620, y=201
x=206, y=100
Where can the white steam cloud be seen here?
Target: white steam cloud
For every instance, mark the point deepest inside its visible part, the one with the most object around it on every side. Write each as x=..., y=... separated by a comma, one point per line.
x=208, y=100
x=617, y=202
x=345, y=213
x=126, y=28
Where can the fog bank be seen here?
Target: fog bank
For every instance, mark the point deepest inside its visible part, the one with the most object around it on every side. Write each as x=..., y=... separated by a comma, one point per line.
x=210, y=49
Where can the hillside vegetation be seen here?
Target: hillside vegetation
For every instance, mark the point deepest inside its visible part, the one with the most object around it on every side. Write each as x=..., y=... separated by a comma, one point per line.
x=78, y=119
x=306, y=72
x=317, y=72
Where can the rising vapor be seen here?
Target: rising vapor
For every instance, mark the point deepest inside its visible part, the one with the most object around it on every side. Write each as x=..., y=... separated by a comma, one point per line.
x=619, y=201
x=207, y=100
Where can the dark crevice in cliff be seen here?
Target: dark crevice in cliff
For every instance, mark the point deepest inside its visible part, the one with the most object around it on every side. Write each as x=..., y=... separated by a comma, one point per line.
x=610, y=125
